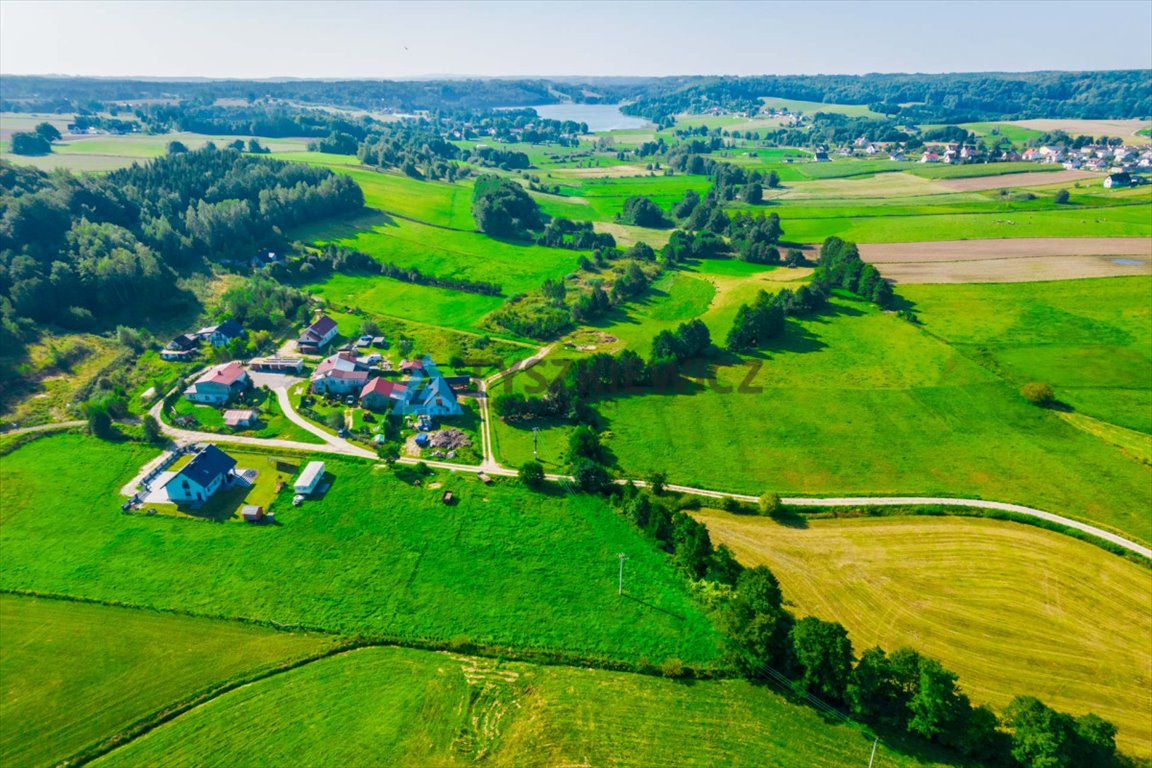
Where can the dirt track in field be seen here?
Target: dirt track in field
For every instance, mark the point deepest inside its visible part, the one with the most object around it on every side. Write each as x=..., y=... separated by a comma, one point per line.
x=1010, y=261
x=1008, y=180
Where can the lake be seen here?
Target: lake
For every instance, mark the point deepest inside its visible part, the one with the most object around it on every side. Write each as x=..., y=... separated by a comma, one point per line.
x=600, y=117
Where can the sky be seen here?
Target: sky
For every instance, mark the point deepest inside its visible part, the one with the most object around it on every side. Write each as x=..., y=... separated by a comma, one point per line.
x=366, y=39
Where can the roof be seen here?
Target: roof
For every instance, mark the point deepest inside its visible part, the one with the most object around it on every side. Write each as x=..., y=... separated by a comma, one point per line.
x=206, y=466
x=382, y=386
x=251, y=510
x=411, y=365
x=323, y=326
x=338, y=374
x=235, y=416
x=230, y=328
x=226, y=374
x=183, y=341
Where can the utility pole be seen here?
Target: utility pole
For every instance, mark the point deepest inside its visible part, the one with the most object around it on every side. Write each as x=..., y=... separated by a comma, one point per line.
x=535, y=435
x=873, y=758
x=620, y=591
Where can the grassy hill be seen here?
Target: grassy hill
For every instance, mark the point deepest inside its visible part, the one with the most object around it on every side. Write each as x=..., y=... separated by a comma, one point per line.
x=415, y=708
x=74, y=673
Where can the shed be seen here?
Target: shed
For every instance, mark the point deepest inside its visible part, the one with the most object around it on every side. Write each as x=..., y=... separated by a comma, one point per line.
x=484, y=478
x=309, y=478
x=448, y=498
x=251, y=513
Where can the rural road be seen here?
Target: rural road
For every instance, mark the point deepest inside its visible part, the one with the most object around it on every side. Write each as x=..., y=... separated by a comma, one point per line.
x=45, y=427
x=336, y=445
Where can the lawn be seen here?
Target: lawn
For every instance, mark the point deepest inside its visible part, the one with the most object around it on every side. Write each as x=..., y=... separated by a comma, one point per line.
x=1014, y=610
x=857, y=401
x=272, y=424
x=72, y=673
x=812, y=107
x=1090, y=339
x=375, y=556
x=392, y=706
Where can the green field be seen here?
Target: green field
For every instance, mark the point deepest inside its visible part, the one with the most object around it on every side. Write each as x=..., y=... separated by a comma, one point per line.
x=391, y=706
x=72, y=674
x=859, y=402
x=375, y=556
x=1090, y=339
x=812, y=107
x=1014, y=610
x=273, y=424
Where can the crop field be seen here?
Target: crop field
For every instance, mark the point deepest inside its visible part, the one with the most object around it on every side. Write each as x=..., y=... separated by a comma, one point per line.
x=109, y=152
x=603, y=198
x=376, y=556
x=1010, y=261
x=857, y=401
x=74, y=673
x=1010, y=608
x=1089, y=339
x=1026, y=179
x=812, y=107
x=1128, y=130
x=416, y=708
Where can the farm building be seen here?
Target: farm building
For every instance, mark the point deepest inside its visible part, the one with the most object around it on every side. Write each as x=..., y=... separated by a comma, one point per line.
x=177, y=355
x=277, y=364
x=339, y=374
x=209, y=469
x=219, y=384
x=309, y=478
x=317, y=335
x=378, y=393
x=1117, y=180
x=252, y=513
x=239, y=417
x=220, y=335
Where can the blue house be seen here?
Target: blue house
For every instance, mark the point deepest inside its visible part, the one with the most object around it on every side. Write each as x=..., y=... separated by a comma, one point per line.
x=426, y=393
x=200, y=478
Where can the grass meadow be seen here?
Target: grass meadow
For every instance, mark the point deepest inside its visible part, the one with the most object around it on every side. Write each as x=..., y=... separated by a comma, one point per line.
x=1090, y=339
x=72, y=673
x=854, y=401
x=375, y=556
x=1012, y=609
x=416, y=708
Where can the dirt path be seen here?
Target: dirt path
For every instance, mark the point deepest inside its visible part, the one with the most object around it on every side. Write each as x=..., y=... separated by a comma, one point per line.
x=45, y=427
x=1014, y=248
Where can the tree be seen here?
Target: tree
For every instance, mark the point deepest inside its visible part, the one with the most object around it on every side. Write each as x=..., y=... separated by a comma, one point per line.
x=773, y=180
x=642, y=212
x=656, y=482
x=176, y=148
x=532, y=474
x=29, y=143
x=590, y=477
x=691, y=545
x=1041, y=736
x=770, y=504
x=873, y=692
x=584, y=443
x=1038, y=393
x=1061, y=197
x=48, y=132
x=754, y=193
x=757, y=622
x=335, y=420
x=938, y=709
x=151, y=427
x=100, y=423
x=389, y=452
x=824, y=653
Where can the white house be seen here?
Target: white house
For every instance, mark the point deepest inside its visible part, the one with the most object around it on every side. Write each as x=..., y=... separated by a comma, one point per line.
x=219, y=384
x=315, y=336
x=339, y=374
x=220, y=335
x=200, y=478
x=309, y=478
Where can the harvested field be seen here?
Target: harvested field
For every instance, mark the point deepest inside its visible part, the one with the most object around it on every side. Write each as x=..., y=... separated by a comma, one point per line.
x=1125, y=129
x=1011, y=261
x=1035, y=179
x=1012, y=609
x=603, y=172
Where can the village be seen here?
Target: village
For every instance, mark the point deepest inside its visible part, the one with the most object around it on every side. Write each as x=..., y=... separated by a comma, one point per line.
x=348, y=396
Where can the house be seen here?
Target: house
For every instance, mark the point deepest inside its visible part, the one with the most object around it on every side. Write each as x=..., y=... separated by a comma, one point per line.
x=219, y=384
x=339, y=374
x=411, y=366
x=252, y=513
x=277, y=364
x=221, y=335
x=309, y=478
x=1031, y=155
x=266, y=259
x=428, y=396
x=183, y=343
x=929, y=157
x=820, y=156
x=178, y=355
x=317, y=335
x=240, y=418
x=871, y=149
x=1116, y=180
x=209, y=469
x=378, y=393
x=896, y=156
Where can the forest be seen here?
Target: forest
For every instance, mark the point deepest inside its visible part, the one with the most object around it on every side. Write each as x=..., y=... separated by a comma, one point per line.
x=83, y=252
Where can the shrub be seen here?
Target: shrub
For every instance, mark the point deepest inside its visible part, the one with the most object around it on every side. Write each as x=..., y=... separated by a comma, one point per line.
x=1038, y=393
x=1062, y=197
x=770, y=504
x=532, y=474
